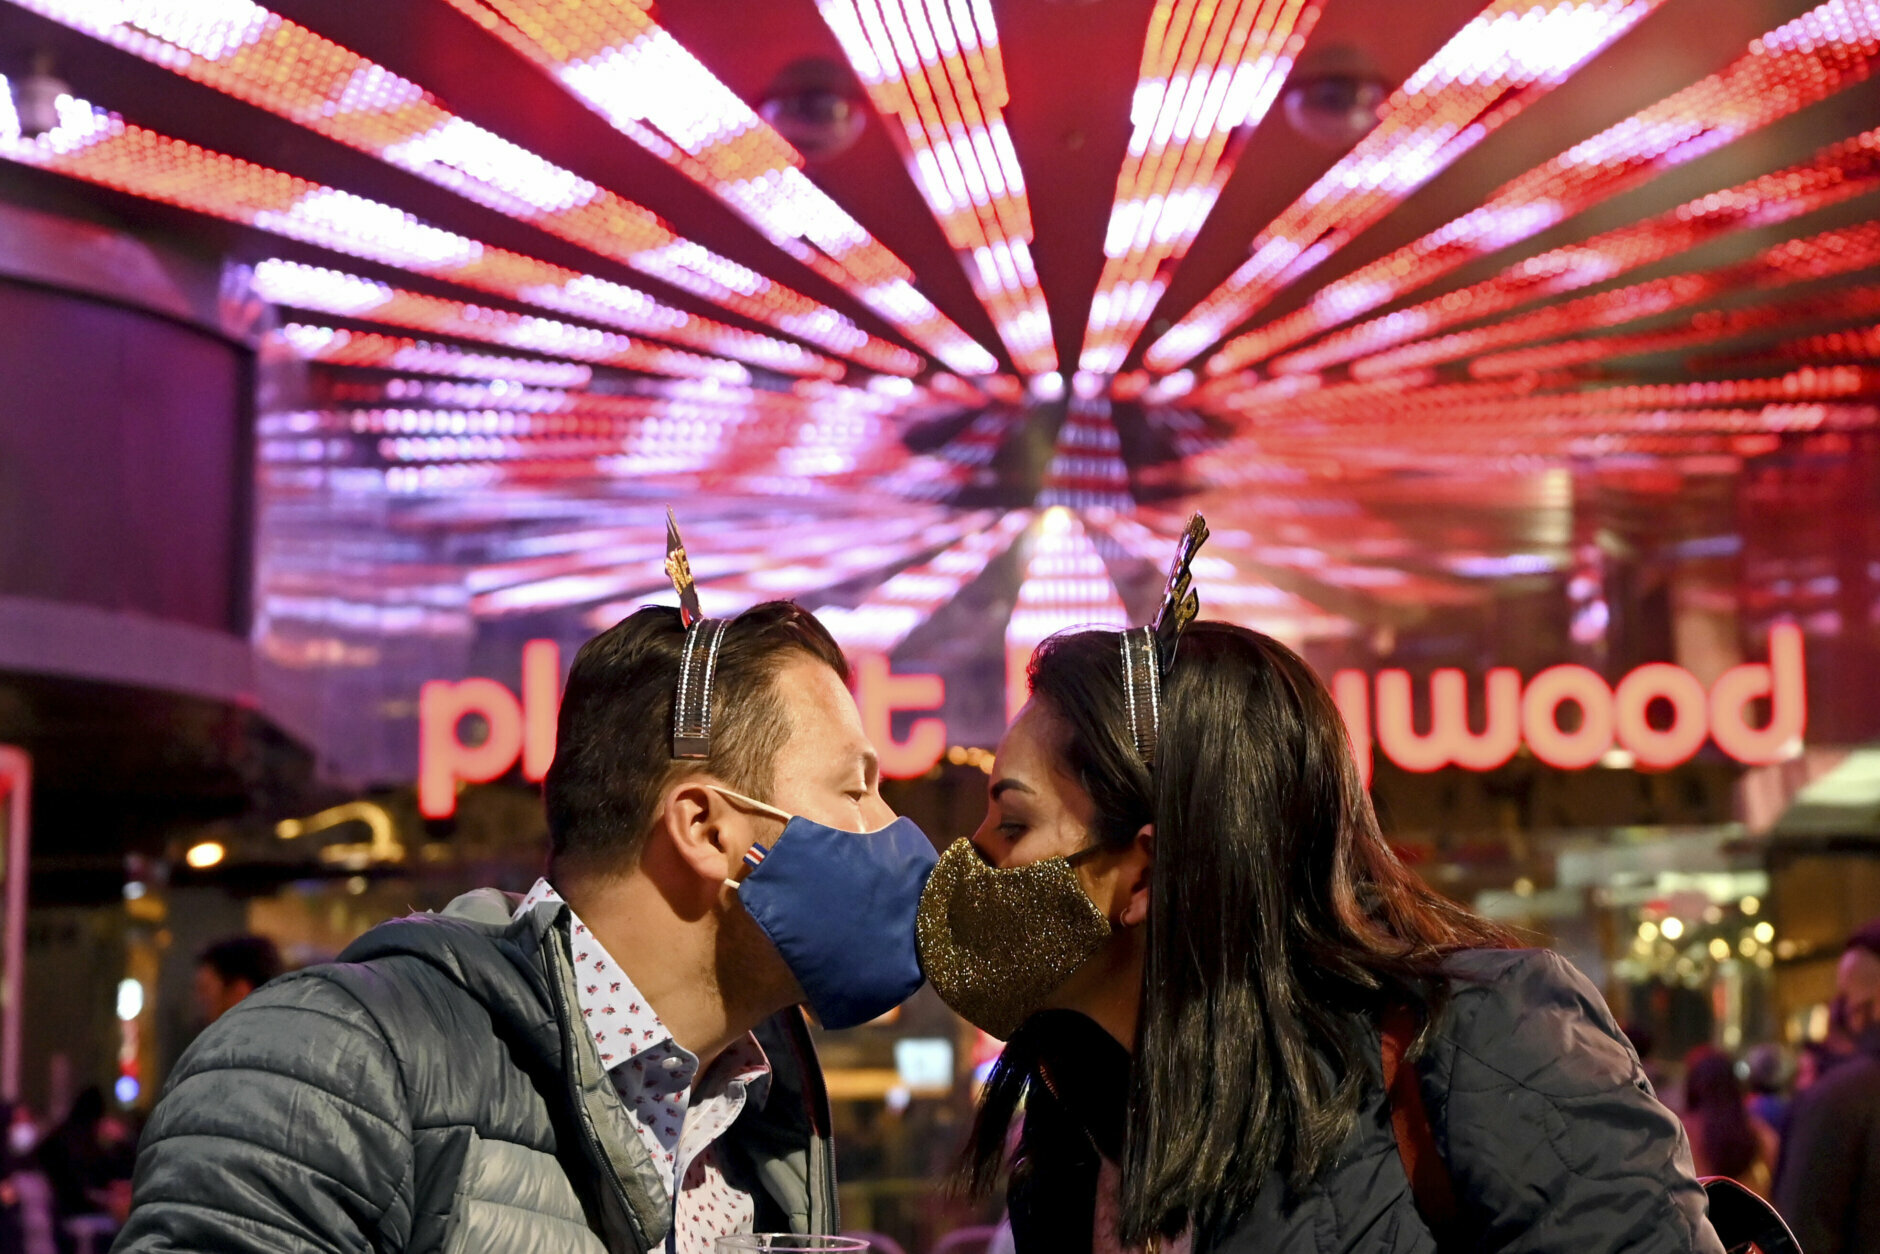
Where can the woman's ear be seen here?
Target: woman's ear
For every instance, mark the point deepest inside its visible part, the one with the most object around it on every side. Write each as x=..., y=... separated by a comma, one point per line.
x=1140, y=872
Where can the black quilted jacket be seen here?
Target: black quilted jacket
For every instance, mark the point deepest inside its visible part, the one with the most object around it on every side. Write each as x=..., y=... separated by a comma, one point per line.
x=432, y=1090
x=1551, y=1133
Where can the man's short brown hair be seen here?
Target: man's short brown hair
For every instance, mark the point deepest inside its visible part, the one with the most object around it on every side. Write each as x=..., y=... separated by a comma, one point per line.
x=613, y=749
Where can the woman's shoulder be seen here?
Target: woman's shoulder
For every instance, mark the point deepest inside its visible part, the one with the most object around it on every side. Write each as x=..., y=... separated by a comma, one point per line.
x=1530, y=1016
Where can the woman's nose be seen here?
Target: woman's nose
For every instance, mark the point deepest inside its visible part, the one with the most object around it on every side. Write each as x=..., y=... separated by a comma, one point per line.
x=876, y=813
x=989, y=848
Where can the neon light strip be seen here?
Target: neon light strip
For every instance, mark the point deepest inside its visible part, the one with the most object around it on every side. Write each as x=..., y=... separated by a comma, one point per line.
x=102, y=148
x=1835, y=346
x=619, y=62
x=1066, y=585
x=352, y=296
x=1796, y=65
x=825, y=551
x=1705, y=328
x=265, y=60
x=1087, y=470
x=882, y=621
x=1846, y=170
x=1208, y=70
x=397, y=352
x=1793, y=261
x=937, y=71
x=1511, y=54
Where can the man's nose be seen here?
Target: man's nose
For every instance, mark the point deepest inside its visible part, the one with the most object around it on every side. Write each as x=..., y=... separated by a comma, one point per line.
x=876, y=812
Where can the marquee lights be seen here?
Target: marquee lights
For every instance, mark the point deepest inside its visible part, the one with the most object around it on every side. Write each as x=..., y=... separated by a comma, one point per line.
x=1814, y=257
x=1511, y=54
x=395, y=352
x=1208, y=71
x=102, y=148
x=938, y=72
x=1066, y=585
x=617, y=60
x=351, y=296
x=1843, y=171
x=259, y=57
x=1087, y=470
x=1829, y=49
x=1707, y=327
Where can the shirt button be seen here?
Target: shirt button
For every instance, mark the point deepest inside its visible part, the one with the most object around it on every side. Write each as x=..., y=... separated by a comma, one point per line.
x=673, y=1064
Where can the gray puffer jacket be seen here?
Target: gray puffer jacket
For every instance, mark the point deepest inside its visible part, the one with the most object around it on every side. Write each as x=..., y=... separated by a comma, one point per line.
x=432, y=1091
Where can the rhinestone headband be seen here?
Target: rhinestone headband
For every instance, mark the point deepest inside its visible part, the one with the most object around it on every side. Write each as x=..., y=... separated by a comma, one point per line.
x=1149, y=652
x=698, y=659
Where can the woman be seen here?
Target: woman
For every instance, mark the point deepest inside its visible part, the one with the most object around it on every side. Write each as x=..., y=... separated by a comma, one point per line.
x=1726, y=1139
x=1211, y=948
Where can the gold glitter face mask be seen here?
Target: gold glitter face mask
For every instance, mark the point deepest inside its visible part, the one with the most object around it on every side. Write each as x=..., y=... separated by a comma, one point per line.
x=996, y=943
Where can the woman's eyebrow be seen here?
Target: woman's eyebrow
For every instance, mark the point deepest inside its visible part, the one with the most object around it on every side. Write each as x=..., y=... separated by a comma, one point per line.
x=1008, y=785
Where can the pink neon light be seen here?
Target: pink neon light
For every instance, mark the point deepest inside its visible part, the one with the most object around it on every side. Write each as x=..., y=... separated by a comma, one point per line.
x=1209, y=71
x=262, y=58
x=622, y=64
x=938, y=72
x=1510, y=55
x=104, y=149
x=1840, y=172
x=1804, y=61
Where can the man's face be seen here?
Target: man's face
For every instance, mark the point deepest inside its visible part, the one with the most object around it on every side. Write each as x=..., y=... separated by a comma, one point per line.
x=826, y=771
x=216, y=996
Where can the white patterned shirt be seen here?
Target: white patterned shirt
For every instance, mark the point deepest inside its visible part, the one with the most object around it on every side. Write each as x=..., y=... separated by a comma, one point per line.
x=679, y=1123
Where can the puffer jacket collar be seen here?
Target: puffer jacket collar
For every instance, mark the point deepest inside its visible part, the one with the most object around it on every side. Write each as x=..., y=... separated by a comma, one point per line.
x=521, y=970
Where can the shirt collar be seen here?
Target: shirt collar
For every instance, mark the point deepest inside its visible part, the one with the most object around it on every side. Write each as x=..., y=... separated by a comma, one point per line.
x=603, y=989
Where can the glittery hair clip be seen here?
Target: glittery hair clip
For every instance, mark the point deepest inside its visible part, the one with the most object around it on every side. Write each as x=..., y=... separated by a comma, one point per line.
x=698, y=660
x=1149, y=652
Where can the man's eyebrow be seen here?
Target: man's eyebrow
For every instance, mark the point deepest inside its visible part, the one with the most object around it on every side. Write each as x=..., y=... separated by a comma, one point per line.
x=1008, y=784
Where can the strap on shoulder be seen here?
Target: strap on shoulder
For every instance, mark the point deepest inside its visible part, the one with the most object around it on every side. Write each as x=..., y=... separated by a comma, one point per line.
x=1430, y=1183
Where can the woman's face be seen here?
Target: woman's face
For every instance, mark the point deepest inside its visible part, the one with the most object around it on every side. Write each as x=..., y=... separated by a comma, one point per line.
x=1034, y=810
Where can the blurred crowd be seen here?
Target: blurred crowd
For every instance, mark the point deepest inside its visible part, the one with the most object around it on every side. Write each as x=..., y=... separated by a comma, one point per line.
x=65, y=1187
x=1798, y=1127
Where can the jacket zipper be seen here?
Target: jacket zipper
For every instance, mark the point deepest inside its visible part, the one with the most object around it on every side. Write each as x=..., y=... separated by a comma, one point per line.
x=559, y=992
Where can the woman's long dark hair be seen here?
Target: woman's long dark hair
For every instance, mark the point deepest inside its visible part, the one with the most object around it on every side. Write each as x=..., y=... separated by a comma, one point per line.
x=1713, y=1100
x=1280, y=921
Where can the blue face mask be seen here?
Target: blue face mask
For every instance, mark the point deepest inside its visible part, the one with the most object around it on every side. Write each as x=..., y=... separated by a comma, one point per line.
x=840, y=906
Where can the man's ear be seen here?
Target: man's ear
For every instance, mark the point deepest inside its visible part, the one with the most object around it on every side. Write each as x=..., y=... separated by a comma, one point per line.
x=1139, y=874
x=692, y=817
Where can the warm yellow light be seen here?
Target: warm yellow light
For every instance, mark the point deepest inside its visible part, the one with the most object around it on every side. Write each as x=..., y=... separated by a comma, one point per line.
x=1748, y=947
x=1764, y=931
x=1648, y=931
x=205, y=855
x=1750, y=905
x=1719, y=949
x=1672, y=928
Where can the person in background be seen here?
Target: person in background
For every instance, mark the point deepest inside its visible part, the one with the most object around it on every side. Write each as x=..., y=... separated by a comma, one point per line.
x=230, y=969
x=1726, y=1139
x=87, y=1161
x=1828, y=1185
x=1770, y=1074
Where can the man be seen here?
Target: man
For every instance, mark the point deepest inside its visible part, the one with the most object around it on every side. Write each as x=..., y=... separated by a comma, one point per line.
x=616, y=1063
x=230, y=969
x=1829, y=1184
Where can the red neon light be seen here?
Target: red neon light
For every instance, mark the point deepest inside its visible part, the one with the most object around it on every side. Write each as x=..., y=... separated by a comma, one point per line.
x=541, y=701
x=1540, y=716
x=1449, y=738
x=1633, y=698
x=443, y=757
x=1782, y=681
x=879, y=694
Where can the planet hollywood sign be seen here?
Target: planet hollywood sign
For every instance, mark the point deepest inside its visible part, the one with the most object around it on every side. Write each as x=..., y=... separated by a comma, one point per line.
x=1658, y=713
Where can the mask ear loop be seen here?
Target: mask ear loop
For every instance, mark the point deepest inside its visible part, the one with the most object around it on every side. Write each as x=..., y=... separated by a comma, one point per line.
x=755, y=855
